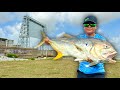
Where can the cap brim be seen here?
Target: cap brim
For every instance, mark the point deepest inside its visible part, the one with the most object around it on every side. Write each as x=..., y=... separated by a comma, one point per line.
x=89, y=22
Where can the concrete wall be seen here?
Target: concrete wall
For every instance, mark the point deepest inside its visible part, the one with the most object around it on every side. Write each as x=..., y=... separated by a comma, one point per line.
x=27, y=52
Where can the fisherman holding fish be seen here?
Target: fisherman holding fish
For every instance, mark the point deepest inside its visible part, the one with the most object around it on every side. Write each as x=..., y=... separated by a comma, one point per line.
x=90, y=25
x=96, y=71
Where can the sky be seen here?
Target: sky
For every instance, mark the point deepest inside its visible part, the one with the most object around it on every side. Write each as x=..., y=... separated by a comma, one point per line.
x=58, y=23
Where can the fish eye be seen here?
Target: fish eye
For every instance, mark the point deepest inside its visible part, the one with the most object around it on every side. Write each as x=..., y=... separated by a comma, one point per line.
x=86, y=44
x=106, y=46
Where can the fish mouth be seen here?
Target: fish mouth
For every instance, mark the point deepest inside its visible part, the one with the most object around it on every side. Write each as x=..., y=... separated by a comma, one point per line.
x=112, y=55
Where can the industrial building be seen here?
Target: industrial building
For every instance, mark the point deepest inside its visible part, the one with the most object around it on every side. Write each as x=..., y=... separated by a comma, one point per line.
x=6, y=42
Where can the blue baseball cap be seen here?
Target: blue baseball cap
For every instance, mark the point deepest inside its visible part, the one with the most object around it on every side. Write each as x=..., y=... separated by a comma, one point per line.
x=90, y=19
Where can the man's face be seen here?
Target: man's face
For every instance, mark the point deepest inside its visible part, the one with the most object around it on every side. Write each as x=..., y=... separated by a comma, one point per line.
x=90, y=28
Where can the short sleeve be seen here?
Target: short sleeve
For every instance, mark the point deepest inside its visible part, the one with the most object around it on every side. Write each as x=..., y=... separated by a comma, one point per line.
x=103, y=38
x=78, y=36
x=98, y=36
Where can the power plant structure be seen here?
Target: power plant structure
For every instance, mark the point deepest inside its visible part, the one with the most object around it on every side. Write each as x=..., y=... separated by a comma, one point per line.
x=29, y=28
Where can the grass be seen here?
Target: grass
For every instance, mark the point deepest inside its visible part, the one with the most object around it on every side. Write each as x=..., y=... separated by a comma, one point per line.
x=112, y=70
x=63, y=68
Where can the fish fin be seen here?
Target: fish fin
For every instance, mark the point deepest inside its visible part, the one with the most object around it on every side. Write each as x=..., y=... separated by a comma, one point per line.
x=78, y=60
x=43, y=39
x=59, y=55
x=65, y=35
x=41, y=43
x=68, y=36
x=77, y=47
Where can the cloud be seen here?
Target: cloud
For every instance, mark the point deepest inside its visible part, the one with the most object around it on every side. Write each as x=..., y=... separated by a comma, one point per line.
x=34, y=42
x=103, y=33
x=12, y=32
x=10, y=16
x=2, y=34
x=116, y=43
x=100, y=31
x=50, y=19
x=5, y=17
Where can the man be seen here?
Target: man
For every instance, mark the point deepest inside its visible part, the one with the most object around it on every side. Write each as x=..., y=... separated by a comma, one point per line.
x=90, y=25
x=97, y=71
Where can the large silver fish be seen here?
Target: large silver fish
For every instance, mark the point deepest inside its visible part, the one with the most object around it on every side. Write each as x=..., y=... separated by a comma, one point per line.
x=81, y=49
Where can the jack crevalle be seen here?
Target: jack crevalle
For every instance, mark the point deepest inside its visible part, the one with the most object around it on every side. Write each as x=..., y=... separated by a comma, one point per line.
x=81, y=49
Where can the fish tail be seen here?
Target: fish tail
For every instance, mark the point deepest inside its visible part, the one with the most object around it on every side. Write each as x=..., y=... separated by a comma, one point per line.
x=43, y=39
x=59, y=55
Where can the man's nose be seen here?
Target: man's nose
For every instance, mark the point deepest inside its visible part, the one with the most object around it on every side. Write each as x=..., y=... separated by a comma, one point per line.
x=89, y=26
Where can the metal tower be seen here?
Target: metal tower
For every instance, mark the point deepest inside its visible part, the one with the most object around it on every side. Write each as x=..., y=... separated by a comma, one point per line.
x=24, y=38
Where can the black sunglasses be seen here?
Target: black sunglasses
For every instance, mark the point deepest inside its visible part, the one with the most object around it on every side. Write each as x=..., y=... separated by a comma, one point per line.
x=92, y=25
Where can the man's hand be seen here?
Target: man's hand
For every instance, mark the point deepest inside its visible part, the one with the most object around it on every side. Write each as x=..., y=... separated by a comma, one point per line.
x=111, y=61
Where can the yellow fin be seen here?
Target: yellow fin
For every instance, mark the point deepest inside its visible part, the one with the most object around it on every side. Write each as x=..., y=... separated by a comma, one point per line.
x=59, y=55
x=39, y=44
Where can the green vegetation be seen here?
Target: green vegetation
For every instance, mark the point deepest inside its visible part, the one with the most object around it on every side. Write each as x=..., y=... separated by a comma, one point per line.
x=32, y=58
x=12, y=55
x=63, y=68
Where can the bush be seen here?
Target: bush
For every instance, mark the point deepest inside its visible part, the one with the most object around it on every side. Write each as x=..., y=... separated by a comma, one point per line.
x=12, y=55
x=32, y=59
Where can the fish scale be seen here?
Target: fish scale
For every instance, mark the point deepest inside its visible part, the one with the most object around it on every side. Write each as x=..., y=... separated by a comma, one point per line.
x=82, y=49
